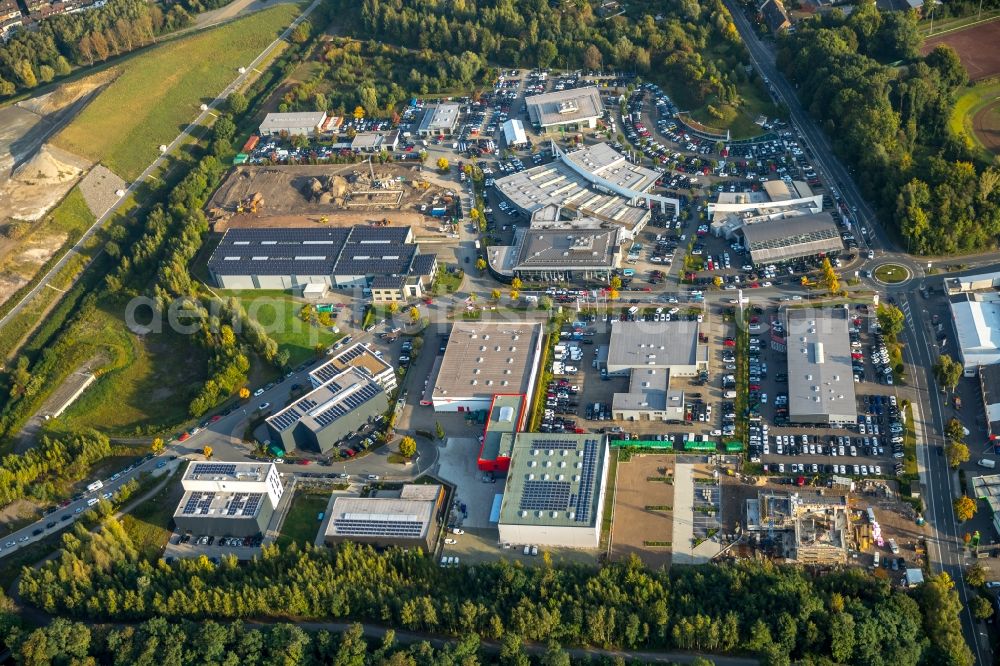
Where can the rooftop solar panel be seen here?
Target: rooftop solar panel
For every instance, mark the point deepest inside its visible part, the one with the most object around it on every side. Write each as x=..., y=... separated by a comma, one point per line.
x=215, y=468
x=545, y=495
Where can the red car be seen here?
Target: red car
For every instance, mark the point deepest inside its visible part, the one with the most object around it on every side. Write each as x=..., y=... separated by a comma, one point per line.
x=215, y=418
x=305, y=462
x=183, y=436
x=729, y=342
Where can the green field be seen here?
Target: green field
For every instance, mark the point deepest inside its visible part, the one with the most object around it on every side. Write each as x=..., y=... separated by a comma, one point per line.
x=143, y=383
x=300, y=524
x=149, y=523
x=891, y=273
x=278, y=313
x=966, y=108
x=159, y=91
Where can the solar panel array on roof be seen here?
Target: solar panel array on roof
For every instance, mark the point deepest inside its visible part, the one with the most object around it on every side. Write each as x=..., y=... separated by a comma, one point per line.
x=326, y=372
x=389, y=526
x=590, y=453
x=236, y=504
x=545, y=495
x=198, y=503
x=286, y=419
x=349, y=403
x=252, y=504
x=227, y=469
x=554, y=444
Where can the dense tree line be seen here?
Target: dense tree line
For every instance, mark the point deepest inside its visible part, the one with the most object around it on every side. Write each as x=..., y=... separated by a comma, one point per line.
x=45, y=470
x=891, y=123
x=157, y=642
x=530, y=33
x=778, y=612
x=37, y=56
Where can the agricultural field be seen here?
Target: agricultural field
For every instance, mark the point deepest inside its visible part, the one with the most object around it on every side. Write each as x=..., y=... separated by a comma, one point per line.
x=976, y=116
x=141, y=384
x=159, y=91
x=975, y=46
x=278, y=313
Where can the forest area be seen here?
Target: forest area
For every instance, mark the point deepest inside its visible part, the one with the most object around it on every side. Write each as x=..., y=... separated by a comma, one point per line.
x=780, y=613
x=890, y=123
x=33, y=57
x=447, y=43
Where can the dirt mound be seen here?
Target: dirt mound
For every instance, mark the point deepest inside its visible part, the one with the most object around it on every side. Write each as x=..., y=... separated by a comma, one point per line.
x=40, y=183
x=68, y=93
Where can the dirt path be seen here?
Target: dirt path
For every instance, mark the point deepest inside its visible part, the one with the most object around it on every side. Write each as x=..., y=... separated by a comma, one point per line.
x=986, y=125
x=57, y=401
x=233, y=10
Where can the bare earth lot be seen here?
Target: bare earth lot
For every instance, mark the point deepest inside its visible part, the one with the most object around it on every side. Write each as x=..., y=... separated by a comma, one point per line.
x=986, y=125
x=976, y=46
x=634, y=523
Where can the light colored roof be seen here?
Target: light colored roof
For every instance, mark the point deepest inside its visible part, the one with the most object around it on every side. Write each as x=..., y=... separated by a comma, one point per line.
x=347, y=392
x=789, y=238
x=486, y=358
x=382, y=516
x=220, y=504
x=820, y=376
x=977, y=323
x=357, y=355
x=513, y=132
x=565, y=106
x=555, y=480
x=226, y=471
x=647, y=390
x=279, y=121
x=649, y=344
x=439, y=117
x=567, y=248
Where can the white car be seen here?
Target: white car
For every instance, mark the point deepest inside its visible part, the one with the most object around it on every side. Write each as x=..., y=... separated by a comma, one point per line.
x=451, y=542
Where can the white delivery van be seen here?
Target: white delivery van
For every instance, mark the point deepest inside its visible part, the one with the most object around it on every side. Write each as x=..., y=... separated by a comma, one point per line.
x=987, y=463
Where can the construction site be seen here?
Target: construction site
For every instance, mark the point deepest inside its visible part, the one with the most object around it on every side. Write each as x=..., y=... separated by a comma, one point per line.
x=340, y=195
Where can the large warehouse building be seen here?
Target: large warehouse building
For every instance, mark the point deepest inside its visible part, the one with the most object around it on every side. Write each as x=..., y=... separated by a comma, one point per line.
x=650, y=353
x=977, y=324
x=439, y=120
x=565, y=109
x=784, y=239
x=595, y=182
x=820, y=374
x=359, y=257
x=234, y=499
x=407, y=520
x=309, y=123
x=557, y=255
x=484, y=359
x=326, y=415
x=555, y=490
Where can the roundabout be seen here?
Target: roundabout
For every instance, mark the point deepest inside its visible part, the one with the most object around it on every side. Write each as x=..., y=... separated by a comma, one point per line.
x=891, y=274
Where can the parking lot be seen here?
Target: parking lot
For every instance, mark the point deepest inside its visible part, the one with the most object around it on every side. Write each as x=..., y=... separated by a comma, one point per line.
x=873, y=446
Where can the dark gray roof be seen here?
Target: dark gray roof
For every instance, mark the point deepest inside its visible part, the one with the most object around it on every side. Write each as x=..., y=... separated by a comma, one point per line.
x=568, y=248
x=423, y=264
x=359, y=250
x=387, y=282
x=801, y=236
x=774, y=15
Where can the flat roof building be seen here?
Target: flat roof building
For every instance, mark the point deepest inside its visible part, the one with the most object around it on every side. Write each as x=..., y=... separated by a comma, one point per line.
x=308, y=123
x=650, y=352
x=320, y=419
x=358, y=355
x=506, y=418
x=439, y=120
x=374, y=142
x=484, y=359
x=792, y=238
x=820, y=373
x=409, y=519
x=989, y=384
x=554, y=494
x=977, y=324
x=594, y=182
x=557, y=255
x=343, y=258
x=228, y=499
x=570, y=108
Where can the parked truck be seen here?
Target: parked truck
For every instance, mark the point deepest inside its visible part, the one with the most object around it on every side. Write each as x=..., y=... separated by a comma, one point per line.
x=96, y=485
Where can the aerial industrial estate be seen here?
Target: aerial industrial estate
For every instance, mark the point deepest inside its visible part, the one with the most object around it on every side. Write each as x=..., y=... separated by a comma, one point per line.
x=397, y=321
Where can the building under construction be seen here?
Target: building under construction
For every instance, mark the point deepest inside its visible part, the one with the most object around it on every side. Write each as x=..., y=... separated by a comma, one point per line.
x=807, y=529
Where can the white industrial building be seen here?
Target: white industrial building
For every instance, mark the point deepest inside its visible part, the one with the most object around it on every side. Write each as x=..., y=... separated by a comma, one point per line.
x=977, y=324
x=554, y=494
x=571, y=108
x=484, y=359
x=292, y=124
x=820, y=373
x=224, y=498
x=439, y=120
x=513, y=133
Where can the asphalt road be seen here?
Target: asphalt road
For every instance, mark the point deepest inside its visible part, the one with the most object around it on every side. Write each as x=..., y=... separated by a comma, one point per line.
x=195, y=126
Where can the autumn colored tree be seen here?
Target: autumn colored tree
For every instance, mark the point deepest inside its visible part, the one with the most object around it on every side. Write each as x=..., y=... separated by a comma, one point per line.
x=965, y=508
x=408, y=447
